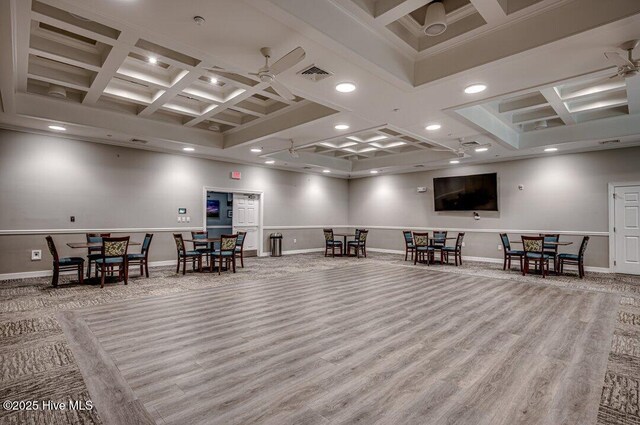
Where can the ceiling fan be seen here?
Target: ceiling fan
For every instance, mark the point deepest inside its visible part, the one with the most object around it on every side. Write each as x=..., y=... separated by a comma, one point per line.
x=267, y=74
x=464, y=147
x=626, y=67
x=292, y=151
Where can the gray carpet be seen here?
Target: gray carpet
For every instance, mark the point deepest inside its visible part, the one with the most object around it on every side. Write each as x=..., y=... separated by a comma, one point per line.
x=36, y=362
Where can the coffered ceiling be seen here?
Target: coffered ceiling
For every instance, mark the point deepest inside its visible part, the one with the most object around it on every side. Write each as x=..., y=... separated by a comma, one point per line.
x=145, y=74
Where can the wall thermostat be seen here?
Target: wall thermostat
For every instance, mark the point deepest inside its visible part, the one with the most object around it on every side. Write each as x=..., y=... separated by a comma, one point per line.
x=520, y=187
x=182, y=210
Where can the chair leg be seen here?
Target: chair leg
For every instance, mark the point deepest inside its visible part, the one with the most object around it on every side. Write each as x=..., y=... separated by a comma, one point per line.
x=184, y=265
x=178, y=266
x=81, y=274
x=525, y=267
x=102, y=273
x=233, y=263
x=56, y=274
x=126, y=272
x=146, y=267
x=89, y=269
x=241, y=259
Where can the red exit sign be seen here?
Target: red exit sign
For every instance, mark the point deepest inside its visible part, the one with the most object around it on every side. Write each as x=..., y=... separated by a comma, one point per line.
x=236, y=175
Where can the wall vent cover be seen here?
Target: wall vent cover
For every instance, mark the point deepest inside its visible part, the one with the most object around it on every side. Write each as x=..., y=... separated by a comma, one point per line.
x=470, y=143
x=139, y=141
x=608, y=142
x=314, y=73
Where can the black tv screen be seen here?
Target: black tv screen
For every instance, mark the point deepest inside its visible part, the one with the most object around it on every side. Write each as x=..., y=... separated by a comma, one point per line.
x=466, y=193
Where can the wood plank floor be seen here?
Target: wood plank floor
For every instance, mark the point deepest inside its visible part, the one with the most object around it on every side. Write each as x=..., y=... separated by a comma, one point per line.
x=364, y=344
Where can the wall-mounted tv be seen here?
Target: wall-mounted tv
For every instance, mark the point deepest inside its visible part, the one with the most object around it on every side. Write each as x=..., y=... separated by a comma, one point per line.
x=466, y=193
x=213, y=208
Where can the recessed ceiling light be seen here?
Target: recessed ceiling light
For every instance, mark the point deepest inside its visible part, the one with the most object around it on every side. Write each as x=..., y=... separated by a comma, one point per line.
x=152, y=60
x=551, y=149
x=433, y=127
x=345, y=87
x=57, y=128
x=482, y=149
x=271, y=161
x=213, y=80
x=374, y=171
x=188, y=149
x=341, y=127
x=256, y=150
x=454, y=161
x=326, y=171
x=475, y=88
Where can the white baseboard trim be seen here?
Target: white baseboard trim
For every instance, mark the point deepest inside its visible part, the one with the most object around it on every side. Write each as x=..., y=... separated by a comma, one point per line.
x=47, y=273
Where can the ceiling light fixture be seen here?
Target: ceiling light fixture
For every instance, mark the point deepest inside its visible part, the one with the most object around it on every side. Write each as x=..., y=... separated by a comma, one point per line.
x=256, y=150
x=374, y=171
x=435, y=22
x=188, y=149
x=454, y=161
x=152, y=60
x=475, y=88
x=341, y=127
x=551, y=149
x=326, y=171
x=433, y=127
x=482, y=149
x=345, y=87
x=213, y=80
x=57, y=128
x=271, y=161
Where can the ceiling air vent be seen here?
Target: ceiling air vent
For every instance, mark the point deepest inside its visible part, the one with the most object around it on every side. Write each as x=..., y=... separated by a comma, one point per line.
x=608, y=142
x=313, y=73
x=139, y=141
x=470, y=143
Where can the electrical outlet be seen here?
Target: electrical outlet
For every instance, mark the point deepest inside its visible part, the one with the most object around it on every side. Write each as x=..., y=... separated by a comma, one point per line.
x=188, y=219
x=463, y=244
x=499, y=247
x=179, y=221
x=36, y=255
x=295, y=241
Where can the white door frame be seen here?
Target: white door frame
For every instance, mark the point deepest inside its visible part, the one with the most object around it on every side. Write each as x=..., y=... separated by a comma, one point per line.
x=612, y=236
x=206, y=189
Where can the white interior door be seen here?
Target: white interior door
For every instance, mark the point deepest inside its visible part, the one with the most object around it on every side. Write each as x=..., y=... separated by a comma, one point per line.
x=246, y=218
x=627, y=229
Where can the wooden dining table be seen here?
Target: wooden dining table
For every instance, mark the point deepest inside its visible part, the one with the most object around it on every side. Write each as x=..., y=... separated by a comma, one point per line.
x=77, y=245
x=344, y=238
x=558, y=243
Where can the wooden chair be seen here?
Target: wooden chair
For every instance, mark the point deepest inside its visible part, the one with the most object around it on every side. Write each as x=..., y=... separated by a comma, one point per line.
x=438, y=242
x=64, y=263
x=423, y=248
x=359, y=244
x=113, y=254
x=509, y=253
x=331, y=243
x=409, y=246
x=184, y=255
x=204, y=248
x=551, y=249
x=577, y=259
x=93, y=253
x=456, y=250
x=534, y=251
x=143, y=258
x=227, y=252
x=240, y=247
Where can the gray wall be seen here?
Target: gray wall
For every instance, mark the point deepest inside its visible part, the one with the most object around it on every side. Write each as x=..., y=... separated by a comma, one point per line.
x=561, y=193
x=44, y=180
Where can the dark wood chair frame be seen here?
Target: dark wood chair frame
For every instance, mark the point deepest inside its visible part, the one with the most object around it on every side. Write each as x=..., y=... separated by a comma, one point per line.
x=204, y=247
x=57, y=267
x=420, y=253
x=331, y=243
x=552, y=250
x=579, y=262
x=457, y=252
x=509, y=253
x=359, y=244
x=123, y=266
x=94, y=252
x=439, y=241
x=542, y=261
x=183, y=257
x=228, y=258
x=240, y=244
x=144, y=261
x=408, y=244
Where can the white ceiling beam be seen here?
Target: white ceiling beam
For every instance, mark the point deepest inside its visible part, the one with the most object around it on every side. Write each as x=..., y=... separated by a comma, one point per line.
x=387, y=11
x=176, y=88
x=50, y=49
x=112, y=63
x=7, y=57
x=402, y=159
x=216, y=109
x=490, y=10
x=21, y=20
x=313, y=159
x=485, y=121
x=558, y=105
x=633, y=94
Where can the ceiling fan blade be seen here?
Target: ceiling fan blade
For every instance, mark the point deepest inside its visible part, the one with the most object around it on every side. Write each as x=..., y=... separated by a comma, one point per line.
x=282, y=90
x=288, y=60
x=617, y=59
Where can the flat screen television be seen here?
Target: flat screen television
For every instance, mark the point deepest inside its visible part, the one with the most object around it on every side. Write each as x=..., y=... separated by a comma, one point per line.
x=478, y=192
x=213, y=208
